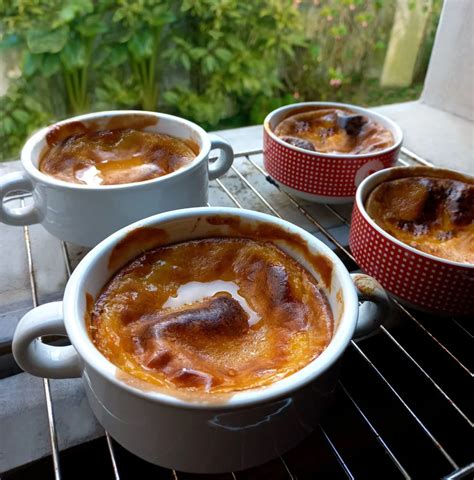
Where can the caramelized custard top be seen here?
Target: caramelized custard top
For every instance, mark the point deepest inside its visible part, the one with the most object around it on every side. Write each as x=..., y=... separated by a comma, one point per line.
x=115, y=156
x=215, y=315
x=434, y=215
x=333, y=130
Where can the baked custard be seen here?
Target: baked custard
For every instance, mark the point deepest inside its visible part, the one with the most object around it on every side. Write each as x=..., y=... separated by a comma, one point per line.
x=434, y=215
x=217, y=315
x=116, y=156
x=333, y=130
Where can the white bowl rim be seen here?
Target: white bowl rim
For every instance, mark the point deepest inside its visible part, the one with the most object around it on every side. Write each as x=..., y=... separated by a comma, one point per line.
x=281, y=388
x=27, y=155
x=394, y=129
x=361, y=191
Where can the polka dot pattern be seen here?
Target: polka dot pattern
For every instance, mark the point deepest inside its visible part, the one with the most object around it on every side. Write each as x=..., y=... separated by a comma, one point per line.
x=331, y=177
x=421, y=281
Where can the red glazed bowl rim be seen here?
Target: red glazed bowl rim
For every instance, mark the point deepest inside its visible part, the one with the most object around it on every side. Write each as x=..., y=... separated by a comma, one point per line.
x=375, y=179
x=395, y=130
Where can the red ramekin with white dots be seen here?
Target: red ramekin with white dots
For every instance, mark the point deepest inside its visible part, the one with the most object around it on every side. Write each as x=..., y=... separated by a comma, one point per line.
x=415, y=278
x=323, y=177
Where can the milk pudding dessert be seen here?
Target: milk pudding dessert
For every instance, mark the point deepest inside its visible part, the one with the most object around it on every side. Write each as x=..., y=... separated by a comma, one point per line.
x=216, y=315
x=114, y=156
x=333, y=131
x=434, y=215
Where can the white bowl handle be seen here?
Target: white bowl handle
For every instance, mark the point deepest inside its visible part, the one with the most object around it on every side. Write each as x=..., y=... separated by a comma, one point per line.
x=226, y=157
x=374, y=304
x=17, y=181
x=36, y=357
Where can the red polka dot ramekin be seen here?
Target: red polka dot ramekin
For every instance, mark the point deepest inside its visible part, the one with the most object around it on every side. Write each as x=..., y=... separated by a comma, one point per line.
x=323, y=177
x=417, y=279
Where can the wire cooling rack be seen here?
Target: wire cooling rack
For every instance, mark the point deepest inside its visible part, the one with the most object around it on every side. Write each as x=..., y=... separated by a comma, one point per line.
x=403, y=407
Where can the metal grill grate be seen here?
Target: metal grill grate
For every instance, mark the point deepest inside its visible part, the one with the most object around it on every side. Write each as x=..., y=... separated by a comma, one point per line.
x=402, y=408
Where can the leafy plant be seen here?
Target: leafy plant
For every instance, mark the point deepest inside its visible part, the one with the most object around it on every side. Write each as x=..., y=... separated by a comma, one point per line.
x=221, y=63
x=21, y=114
x=84, y=55
x=347, y=40
x=57, y=39
x=231, y=51
x=143, y=24
x=347, y=44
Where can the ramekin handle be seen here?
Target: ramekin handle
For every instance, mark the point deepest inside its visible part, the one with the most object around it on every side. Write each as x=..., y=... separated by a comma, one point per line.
x=17, y=181
x=225, y=160
x=374, y=304
x=36, y=357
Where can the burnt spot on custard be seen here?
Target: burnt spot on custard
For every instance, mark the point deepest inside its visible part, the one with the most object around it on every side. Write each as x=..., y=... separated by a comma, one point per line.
x=352, y=124
x=299, y=142
x=460, y=204
x=220, y=315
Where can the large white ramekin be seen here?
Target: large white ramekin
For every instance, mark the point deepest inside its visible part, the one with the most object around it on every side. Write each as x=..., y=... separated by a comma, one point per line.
x=246, y=429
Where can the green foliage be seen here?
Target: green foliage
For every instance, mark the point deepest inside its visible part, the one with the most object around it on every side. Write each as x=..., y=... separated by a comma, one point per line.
x=347, y=44
x=91, y=55
x=221, y=63
x=143, y=24
x=21, y=114
x=348, y=39
x=231, y=51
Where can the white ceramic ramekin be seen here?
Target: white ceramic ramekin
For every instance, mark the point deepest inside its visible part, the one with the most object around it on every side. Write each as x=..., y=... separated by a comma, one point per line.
x=244, y=430
x=84, y=214
x=323, y=177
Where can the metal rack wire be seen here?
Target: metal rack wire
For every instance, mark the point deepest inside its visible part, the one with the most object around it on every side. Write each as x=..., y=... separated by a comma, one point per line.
x=441, y=444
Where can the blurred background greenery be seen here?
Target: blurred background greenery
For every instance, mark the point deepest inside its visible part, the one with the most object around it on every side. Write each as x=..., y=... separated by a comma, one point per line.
x=220, y=63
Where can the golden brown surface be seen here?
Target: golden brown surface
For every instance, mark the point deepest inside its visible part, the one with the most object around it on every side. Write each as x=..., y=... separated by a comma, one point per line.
x=109, y=157
x=434, y=215
x=214, y=315
x=322, y=130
